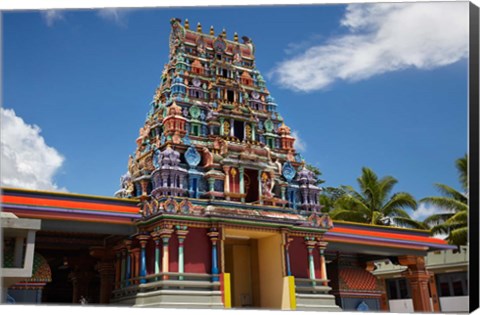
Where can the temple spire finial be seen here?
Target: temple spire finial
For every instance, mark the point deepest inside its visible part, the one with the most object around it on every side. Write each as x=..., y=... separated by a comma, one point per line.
x=224, y=33
x=235, y=37
x=212, y=31
x=187, y=24
x=199, y=27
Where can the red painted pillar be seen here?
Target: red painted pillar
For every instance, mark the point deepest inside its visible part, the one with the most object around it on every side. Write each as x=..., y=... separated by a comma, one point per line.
x=419, y=279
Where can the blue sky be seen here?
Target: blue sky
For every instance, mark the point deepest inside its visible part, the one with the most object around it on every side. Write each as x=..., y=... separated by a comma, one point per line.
x=354, y=82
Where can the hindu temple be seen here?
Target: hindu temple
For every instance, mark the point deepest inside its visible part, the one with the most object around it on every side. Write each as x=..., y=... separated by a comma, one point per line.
x=216, y=208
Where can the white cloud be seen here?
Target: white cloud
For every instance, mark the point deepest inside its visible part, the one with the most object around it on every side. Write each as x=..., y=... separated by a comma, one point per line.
x=117, y=16
x=299, y=144
x=51, y=16
x=424, y=211
x=381, y=38
x=26, y=160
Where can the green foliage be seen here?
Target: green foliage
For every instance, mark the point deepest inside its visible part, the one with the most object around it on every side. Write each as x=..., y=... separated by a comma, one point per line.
x=454, y=221
x=374, y=203
x=329, y=196
x=316, y=172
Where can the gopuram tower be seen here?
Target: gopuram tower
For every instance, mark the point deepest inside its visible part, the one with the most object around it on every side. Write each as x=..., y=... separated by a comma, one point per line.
x=223, y=193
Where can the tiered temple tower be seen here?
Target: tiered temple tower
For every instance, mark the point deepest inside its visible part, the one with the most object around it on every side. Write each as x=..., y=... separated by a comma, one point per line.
x=222, y=191
x=213, y=131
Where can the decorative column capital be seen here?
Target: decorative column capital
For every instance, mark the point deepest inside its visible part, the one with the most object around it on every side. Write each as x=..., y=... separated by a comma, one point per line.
x=164, y=231
x=181, y=231
x=143, y=239
x=213, y=234
x=310, y=242
x=321, y=245
x=128, y=244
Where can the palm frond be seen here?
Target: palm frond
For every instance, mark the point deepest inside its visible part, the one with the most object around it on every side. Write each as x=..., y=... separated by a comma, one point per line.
x=385, y=186
x=352, y=203
x=462, y=168
x=348, y=215
x=400, y=200
x=445, y=203
x=446, y=227
x=459, y=217
x=458, y=236
x=437, y=218
x=397, y=212
x=451, y=192
x=409, y=223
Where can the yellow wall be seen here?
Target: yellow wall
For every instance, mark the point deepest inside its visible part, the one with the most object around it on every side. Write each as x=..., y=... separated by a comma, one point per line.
x=242, y=282
x=271, y=276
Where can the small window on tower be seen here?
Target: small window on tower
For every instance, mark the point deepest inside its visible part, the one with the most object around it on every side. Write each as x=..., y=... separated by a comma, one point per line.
x=230, y=95
x=219, y=56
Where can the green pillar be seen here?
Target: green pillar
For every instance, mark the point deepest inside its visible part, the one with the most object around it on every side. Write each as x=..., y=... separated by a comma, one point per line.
x=242, y=188
x=221, y=126
x=157, y=255
x=181, y=234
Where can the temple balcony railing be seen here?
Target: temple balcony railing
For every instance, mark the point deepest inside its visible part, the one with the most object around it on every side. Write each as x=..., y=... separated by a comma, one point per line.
x=311, y=286
x=167, y=281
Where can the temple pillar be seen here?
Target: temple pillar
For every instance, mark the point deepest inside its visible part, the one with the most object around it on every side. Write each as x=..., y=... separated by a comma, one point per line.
x=106, y=268
x=418, y=278
x=253, y=131
x=106, y=271
x=286, y=245
x=123, y=267
x=323, y=266
x=165, y=233
x=181, y=231
x=232, y=133
x=310, y=242
x=143, y=239
x=136, y=264
x=128, y=263
x=118, y=268
x=213, y=234
x=434, y=293
x=221, y=126
x=260, y=194
x=211, y=186
x=226, y=182
x=241, y=181
x=157, y=239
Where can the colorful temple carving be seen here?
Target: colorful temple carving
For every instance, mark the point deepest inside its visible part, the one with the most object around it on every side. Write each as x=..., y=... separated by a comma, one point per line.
x=217, y=209
x=213, y=132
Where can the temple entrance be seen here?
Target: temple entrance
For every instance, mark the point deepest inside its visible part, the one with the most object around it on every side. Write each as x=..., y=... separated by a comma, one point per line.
x=251, y=185
x=254, y=261
x=241, y=261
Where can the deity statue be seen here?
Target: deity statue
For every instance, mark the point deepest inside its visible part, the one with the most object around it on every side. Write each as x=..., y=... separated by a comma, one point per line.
x=237, y=58
x=207, y=157
x=279, y=166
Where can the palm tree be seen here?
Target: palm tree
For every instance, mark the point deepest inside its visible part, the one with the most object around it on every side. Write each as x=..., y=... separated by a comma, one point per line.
x=454, y=221
x=375, y=204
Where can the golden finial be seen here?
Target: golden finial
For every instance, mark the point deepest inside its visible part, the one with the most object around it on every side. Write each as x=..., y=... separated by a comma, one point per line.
x=199, y=27
x=235, y=37
x=212, y=31
x=224, y=33
x=187, y=25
